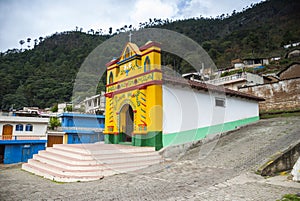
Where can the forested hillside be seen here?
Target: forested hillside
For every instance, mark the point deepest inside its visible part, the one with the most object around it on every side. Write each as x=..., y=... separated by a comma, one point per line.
x=44, y=75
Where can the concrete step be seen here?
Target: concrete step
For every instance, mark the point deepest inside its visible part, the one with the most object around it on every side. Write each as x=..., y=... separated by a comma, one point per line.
x=57, y=177
x=70, y=154
x=73, y=157
x=94, y=171
x=131, y=159
x=102, y=149
x=65, y=159
x=96, y=165
x=69, y=163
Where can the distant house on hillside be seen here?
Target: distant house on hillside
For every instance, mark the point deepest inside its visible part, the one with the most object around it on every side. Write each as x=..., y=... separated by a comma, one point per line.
x=250, y=62
x=195, y=76
x=238, y=80
x=21, y=137
x=95, y=104
x=237, y=63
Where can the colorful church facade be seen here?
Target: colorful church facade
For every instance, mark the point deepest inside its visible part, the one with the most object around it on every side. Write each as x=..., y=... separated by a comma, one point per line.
x=146, y=108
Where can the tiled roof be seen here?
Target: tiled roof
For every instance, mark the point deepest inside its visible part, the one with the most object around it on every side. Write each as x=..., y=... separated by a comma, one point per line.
x=208, y=87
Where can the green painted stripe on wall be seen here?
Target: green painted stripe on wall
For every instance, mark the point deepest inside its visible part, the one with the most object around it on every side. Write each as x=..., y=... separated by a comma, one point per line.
x=200, y=133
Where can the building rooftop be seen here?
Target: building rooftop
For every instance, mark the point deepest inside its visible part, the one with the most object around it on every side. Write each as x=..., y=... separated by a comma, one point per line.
x=209, y=87
x=80, y=115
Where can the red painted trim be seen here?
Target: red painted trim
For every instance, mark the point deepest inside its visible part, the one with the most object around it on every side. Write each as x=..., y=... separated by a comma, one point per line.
x=112, y=62
x=145, y=73
x=143, y=87
x=150, y=45
x=108, y=95
x=145, y=124
x=112, y=68
x=153, y=82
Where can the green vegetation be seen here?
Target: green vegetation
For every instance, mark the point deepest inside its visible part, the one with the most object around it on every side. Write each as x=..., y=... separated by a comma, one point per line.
x=44, y=75
x=290, y=197
x=54, y=123
x=273, y=114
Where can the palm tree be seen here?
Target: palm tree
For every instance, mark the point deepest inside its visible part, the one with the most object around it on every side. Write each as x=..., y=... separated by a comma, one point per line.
x=21, y=43
x=28, y=41
x=35, y=42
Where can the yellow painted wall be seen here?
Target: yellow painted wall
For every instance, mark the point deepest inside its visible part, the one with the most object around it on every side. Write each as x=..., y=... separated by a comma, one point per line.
x=132, y=85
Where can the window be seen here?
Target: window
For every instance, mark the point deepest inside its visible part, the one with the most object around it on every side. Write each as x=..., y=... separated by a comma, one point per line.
x=147, y=64
x=127, y=53
x=111, y=78
x=220, y=102
x=29, y=127
x=19, y=127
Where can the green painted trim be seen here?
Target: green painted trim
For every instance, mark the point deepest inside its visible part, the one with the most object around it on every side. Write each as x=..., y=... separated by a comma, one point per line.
x=151, y=139
x=111, y=139
x=200, y=133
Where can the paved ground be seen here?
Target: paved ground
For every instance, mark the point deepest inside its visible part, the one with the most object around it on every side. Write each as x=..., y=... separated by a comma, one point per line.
x=222, y=170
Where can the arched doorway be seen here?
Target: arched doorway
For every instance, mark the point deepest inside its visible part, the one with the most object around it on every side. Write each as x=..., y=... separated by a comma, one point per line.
x=7, y=132
x=126, y=123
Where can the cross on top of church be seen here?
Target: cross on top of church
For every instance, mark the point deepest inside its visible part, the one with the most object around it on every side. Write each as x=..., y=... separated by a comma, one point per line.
x=130, y=34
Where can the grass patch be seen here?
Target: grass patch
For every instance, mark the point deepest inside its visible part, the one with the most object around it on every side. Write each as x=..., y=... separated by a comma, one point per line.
x=57, y=182
x=279, y=114
x=290, y=197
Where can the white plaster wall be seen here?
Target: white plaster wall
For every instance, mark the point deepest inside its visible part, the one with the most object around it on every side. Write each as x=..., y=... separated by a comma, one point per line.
x=39, y=125
x=185, y=109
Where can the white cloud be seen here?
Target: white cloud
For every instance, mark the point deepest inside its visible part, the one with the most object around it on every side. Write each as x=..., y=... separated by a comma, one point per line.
x=195, y=8
x=143, y=10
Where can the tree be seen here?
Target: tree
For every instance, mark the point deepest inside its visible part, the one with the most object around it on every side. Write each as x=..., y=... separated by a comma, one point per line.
x=13, y=101
x=21, y=43
x=68, y=108
x=35, y=42
x=54, y=123
x=28, y=41
x=54, y=108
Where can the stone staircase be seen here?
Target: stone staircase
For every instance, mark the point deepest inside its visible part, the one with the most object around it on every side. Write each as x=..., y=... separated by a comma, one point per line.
x=87, y=162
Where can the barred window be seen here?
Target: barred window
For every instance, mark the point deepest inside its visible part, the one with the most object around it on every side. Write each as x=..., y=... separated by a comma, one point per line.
x=220, y=102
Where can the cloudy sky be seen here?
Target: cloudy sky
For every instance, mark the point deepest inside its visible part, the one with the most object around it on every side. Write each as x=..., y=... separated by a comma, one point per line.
x=22, y=19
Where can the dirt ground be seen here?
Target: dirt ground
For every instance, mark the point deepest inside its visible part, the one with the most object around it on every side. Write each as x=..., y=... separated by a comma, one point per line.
x=220, y=170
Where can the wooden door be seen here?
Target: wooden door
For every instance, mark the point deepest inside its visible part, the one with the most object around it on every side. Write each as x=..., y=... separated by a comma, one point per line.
x=52, y=139
x=7, y=132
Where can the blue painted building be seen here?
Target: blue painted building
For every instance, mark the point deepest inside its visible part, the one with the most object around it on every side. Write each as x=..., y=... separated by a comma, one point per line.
x=82, y=128
x=21, y=138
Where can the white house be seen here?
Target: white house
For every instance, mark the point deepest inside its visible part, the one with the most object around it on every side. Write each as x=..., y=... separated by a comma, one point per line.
x=21, y=137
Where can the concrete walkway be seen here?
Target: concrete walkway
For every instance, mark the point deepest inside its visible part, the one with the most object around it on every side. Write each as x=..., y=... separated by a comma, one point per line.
x=222, y=170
